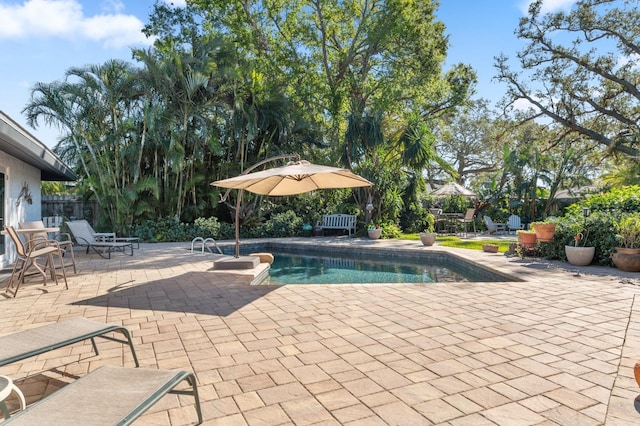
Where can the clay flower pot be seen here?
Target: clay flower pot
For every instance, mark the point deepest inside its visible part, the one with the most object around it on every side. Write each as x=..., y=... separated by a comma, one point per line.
x=527, y=239
x=636, y=372
x=490, y=248
x=624, y=250
x=545, y=231
x=626, y=259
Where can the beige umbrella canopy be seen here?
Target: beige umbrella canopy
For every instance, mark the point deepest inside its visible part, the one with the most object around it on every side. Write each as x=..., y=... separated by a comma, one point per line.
x=453, y=188
x=295, y=178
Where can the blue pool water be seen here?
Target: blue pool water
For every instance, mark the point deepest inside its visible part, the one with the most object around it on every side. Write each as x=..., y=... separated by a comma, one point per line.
x=291, y=268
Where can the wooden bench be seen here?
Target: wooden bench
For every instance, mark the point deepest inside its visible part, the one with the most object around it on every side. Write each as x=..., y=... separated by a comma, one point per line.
x=107, y=396
x=339, y=221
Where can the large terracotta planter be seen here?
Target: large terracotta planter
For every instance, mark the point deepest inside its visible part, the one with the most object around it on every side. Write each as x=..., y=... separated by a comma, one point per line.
x=626, y=259
x=527, y=239
x=428, y=238
x=545, y=232
x=624, y=250
x=579, y=256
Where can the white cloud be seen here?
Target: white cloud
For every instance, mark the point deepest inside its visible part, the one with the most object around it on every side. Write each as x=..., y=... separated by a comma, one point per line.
x=523, y=105
x=112, y=5
x=113, y=30
x=633, y=59
x=548, y=6
x=65, y=19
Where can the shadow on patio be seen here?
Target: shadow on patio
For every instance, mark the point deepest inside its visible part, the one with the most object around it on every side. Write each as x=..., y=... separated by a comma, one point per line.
x=193, y=292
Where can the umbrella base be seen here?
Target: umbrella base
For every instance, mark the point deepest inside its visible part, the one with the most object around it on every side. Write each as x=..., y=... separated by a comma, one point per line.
x=242, y=262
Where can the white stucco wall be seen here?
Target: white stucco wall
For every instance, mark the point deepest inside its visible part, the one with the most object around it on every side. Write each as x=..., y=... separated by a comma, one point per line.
x=16, y=174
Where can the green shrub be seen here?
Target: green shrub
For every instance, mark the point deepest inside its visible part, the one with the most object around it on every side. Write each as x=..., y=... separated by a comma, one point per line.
x=286, y=224
x=165, y=230
x=625, y=199
x=628, y=231
x=455, y=204
x=390, y=230
x=210, y=227
x=415, y=219
x=227, y=231
x=599, y=228
x=598, y=231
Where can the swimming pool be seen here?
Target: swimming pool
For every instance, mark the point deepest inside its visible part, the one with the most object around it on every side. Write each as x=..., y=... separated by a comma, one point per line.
x=292, y=266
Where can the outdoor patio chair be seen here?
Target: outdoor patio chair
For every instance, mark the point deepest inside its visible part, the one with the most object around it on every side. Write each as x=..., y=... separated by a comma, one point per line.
x=468, y=218
x=24, y=344
x=514, y=223
x=83, y=236
x=493, y=226
x=110, y=236
x=108, y=395
x=28, y=255
x=64, y=240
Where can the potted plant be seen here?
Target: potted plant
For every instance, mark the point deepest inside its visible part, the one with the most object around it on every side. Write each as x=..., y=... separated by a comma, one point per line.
x=580, y=255
x=490, y=248
x=627, y=255
x=428, y=237
x=527, y=239
x=544, y=230
x=374, y=232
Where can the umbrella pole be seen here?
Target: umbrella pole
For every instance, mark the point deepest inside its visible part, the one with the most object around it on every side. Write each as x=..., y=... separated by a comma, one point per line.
x=238, y=223
x=279, y=157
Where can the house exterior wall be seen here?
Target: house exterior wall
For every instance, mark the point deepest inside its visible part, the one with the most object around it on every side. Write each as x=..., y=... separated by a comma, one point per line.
x=16, y=207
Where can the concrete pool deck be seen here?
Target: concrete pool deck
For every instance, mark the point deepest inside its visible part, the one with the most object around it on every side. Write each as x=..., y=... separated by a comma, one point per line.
x=556, y=348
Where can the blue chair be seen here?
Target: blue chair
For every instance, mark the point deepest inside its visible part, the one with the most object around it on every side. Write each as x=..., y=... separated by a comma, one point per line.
x=514, y=223
x=493, y=226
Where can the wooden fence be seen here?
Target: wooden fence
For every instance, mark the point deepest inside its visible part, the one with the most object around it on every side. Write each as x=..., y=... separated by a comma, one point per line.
x=56, y=208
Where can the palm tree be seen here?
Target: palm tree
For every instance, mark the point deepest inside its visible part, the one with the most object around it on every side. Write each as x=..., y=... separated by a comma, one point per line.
x=97, y=108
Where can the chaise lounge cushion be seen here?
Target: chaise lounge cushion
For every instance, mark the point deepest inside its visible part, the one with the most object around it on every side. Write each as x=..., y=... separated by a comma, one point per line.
x=84, y=236
x=107, y=396
x=27, y=343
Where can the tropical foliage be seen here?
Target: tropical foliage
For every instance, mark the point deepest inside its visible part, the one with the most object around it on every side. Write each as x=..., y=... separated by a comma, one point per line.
x=583, y=65
x=600, y=228
x=357, y=84
x=226, y=85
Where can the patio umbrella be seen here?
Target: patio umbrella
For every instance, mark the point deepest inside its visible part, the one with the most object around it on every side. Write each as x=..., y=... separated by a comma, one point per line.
x=295, y=178
x=453, y=188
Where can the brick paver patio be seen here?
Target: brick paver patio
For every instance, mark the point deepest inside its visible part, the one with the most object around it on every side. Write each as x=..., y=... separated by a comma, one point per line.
x=558, y=348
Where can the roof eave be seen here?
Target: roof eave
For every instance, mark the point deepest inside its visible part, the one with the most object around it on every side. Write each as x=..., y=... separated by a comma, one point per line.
x=19, y=143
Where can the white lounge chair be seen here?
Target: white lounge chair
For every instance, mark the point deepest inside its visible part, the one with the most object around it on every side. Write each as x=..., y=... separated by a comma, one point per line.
x=493, y=226
x=110, y=236
x=84, y=236
x=35, y=341
x=107, y=396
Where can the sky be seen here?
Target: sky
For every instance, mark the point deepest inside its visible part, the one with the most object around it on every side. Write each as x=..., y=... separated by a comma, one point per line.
x=41, y=39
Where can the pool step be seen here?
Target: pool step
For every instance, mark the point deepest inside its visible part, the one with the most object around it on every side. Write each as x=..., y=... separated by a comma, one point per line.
x=242, y=262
